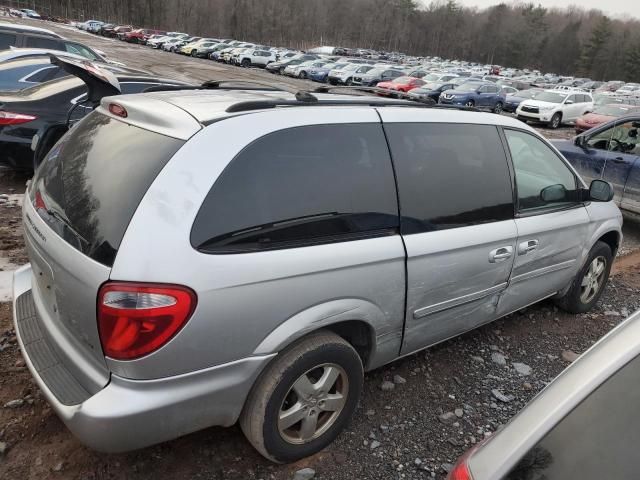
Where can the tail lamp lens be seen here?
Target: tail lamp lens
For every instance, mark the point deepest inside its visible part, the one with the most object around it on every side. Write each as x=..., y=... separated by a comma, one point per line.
x=136, y=319
x=9, y=118
x=460, y=472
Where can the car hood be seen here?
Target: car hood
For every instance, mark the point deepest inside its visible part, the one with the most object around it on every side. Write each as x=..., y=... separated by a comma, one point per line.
x=456, y=92
x=539, y=103
x=100, y=82
x=515, y=99
x=595, y=118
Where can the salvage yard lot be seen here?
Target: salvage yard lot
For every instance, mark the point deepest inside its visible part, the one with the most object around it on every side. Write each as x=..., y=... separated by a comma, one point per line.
x=416, y=416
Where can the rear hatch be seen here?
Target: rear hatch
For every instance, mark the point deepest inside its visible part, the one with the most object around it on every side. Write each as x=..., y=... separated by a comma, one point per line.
x=81, y=201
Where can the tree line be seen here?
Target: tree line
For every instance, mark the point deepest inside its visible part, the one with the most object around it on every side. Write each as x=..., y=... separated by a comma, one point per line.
x=569, y=41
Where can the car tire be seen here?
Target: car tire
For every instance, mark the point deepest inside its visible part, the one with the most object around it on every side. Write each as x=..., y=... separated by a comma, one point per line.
x=246, y=63
x=498, y=108
x=581, y=298
x=349, y=82
x=302, y=75
x=304, y=363
x=470, y=104
x=555, y=121
x=194, y=53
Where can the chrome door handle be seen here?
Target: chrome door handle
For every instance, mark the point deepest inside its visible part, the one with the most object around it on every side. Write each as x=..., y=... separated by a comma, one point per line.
x=500, y=254
x=528, y=246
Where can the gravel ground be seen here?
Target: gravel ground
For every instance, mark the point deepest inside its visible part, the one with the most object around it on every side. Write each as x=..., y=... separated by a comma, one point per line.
x=435, y=404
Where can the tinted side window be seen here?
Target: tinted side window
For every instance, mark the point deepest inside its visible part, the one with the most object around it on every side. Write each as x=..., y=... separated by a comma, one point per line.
x=42, y=75
x=538, y=171
x=41, y=42
x=450, y=175
x=7, y=40
x=597, y=440
x=300, y=186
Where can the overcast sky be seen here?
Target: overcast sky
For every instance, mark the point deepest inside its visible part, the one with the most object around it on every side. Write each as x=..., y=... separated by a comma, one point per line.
x=614, y=8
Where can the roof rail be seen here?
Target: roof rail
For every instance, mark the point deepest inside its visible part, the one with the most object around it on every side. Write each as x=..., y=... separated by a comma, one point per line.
x=237, y=84
x=368, y=101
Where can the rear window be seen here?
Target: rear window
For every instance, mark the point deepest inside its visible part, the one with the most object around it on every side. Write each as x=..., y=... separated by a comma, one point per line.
x=93, y=180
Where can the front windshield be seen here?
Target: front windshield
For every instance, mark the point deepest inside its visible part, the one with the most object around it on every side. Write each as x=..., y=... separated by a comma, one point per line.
x=527, y=94
x=551, y=97
x=468, y=87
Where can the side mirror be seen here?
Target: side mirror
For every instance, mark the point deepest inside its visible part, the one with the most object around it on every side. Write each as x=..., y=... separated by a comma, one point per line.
x=581, y=141
x=569, y=102
x=600, y=191
x=553, y=193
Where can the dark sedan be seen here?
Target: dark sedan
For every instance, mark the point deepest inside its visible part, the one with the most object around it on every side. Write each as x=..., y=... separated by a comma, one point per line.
x=43, y=112
x=430, y=91
x=513, y=101
x=610, y=152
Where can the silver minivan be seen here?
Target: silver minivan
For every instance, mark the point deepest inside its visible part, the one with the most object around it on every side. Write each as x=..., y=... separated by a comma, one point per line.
x=203, y=257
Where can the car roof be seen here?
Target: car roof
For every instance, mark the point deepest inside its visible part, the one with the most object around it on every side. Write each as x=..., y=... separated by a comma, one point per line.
x=209, y=106
x=14, y=53
x=27, y=29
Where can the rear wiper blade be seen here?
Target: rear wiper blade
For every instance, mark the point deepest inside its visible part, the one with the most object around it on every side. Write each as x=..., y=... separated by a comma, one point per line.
x=65, y=221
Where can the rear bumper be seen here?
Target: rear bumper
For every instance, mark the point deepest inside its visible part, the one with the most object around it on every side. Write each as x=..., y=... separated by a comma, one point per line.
x=128, y=414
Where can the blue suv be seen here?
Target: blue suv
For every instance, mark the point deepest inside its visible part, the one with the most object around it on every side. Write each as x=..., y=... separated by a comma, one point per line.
x=485, y=95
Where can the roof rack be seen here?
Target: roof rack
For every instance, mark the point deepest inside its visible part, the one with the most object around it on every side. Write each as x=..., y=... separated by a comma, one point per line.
x=236, y=84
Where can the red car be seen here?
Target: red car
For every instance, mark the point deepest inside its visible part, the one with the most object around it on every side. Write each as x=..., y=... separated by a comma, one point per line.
x=603, y=114
x=141, y=35
x=401, y=84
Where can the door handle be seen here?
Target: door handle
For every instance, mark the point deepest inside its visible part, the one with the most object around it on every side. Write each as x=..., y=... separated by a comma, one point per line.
x=618, y=160
x=500, y=254
x=528, y=246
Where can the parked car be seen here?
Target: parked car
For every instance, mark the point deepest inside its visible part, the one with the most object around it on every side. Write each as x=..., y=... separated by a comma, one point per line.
x=18, y=36
x=609, y=152
x=30, y=13
x=321, y=74
x=106, y=30
x=610, y=86
x=344, y=76
x=172, y=44
x=401, y=85
x=141, y=35
x=548, y=439
x=376, y=75
x=44, y=109
x=302, y=197
x=629, y=89
x=302, y=70
x=431, y=91
x=604, y=114
x=23, y=71
x=486, y=95
x=280, y=65
x=120, y=31
x=554, y=107
x=257, y=58
x=512, y=101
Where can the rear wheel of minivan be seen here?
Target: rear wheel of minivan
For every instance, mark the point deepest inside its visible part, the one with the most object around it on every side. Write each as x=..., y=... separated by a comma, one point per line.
x=589, y=283
x=304, y=398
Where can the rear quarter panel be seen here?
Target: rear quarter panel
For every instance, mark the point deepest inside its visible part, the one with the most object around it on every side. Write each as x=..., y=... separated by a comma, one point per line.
x=245, y=299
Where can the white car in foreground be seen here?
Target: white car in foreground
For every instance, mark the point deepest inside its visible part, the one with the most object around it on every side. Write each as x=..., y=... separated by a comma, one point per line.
x=555, y=107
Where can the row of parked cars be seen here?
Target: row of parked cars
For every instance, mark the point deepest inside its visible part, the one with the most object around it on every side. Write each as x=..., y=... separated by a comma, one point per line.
x=132, y=346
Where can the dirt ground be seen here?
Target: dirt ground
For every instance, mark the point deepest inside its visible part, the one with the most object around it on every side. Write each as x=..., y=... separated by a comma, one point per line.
x=395, y=434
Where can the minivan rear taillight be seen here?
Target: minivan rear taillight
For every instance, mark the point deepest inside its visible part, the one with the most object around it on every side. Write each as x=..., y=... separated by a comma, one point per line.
x=136, y=319
x=9, y=118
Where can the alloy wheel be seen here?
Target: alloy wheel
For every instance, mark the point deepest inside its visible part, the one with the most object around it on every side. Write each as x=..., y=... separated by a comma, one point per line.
x=313, y=404
x=593, y=279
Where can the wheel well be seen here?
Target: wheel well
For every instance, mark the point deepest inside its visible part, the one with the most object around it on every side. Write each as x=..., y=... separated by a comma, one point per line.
x=358, y=333
x=612, y=239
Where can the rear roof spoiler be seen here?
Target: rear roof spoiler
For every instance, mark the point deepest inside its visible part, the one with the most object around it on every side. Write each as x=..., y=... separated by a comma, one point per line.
x=100, y=82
